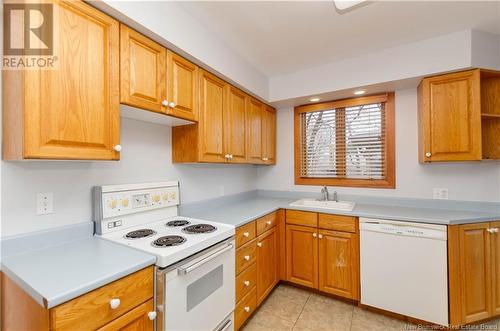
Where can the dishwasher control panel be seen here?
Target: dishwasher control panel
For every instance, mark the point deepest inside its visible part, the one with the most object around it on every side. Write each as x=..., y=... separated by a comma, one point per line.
x=403, y=228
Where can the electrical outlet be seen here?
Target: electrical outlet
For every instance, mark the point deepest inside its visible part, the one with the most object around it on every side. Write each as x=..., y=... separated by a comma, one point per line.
x=440, y=193
x=44, y=203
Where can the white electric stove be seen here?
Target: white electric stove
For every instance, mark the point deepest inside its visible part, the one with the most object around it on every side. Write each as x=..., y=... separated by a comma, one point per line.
x=195, y=271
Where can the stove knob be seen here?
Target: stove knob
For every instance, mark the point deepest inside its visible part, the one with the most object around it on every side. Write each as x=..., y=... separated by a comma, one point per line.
x=152, y=315
x=114, y=303
x=125, y=202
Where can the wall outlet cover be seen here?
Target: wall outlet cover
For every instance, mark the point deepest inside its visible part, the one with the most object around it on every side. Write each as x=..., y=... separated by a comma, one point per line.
x=44, y=203
x=440, y=193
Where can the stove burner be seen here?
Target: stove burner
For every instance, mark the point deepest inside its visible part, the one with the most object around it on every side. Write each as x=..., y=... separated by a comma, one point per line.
x=141, y=233
x=168, y=241
x=199, y=228
x=178, y=223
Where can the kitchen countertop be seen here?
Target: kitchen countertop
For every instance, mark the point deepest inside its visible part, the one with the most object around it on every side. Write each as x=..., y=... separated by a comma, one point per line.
x=56, y=274
x=247, y=209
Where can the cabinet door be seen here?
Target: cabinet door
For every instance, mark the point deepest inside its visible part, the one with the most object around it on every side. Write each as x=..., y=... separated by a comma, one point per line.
x=234, y=125
x=475, y=272
x=211, y=118
x=142, y=71
x=182, y=87
x=495, y=268
x=135, y=320
x=450, y=117
x=267, y=259
x=339, y=263
x=72, y=112
x=302, y=255
x=268, y=135
x=254, y=131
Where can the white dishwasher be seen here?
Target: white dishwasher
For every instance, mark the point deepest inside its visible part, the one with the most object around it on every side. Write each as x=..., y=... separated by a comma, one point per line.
x=404, y=268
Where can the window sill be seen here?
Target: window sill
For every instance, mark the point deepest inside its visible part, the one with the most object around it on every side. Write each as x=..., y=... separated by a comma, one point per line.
x=346, y=182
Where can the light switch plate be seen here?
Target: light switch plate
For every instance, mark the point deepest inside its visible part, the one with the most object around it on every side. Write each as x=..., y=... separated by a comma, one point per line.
x=44, y=203
x=440, y=193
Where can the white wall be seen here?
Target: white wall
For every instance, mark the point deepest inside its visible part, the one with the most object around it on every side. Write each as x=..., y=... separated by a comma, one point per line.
x=146, y=157
x=465, y=181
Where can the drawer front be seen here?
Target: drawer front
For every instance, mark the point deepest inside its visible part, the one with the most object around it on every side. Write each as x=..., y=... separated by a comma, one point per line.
x=245, y=234
x=246, y=256
x=337, y=223
x=266, y=223
x=93, y=310
x=304, y=218
x=245, y=308
x=246, y=281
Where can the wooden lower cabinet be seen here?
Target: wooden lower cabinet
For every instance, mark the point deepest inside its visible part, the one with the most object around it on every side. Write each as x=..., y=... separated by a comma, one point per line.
x=90, y=311
x=267, y=262
x=339, y=263
x=473, y=257
x=245, y=308
x=302, y=255
x=137, y=320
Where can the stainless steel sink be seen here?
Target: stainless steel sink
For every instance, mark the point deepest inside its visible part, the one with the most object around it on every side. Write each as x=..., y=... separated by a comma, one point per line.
x=322, y=204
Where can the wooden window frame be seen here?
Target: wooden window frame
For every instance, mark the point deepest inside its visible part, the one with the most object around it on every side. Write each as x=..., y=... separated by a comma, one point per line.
x=390, y=161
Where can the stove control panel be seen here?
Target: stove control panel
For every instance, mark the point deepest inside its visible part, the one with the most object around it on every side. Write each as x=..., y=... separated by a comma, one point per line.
x=127, y=200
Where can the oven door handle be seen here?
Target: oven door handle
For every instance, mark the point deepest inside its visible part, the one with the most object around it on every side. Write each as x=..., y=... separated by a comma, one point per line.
x=226, y=325
x=185, y=270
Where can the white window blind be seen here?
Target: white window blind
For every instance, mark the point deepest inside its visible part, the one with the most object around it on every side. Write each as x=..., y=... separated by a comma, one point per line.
x=344, y=143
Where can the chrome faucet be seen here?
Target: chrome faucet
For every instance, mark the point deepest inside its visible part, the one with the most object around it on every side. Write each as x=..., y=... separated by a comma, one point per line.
x=325, y=196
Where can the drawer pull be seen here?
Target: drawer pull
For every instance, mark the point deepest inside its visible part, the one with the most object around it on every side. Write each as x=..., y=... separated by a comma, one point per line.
x=315, y=235
x=152, y=315
x=247, y=257
x=247, y=309
x=269, y=222
x=259, y=244
x=246, y=234
x=247, y=283
x=114, y=303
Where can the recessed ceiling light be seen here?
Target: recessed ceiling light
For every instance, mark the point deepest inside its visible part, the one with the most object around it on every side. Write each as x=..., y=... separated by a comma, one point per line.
x=314, y=99
x=359, y=92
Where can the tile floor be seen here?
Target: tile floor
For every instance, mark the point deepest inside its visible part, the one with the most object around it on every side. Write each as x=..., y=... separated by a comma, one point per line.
x=290, y=308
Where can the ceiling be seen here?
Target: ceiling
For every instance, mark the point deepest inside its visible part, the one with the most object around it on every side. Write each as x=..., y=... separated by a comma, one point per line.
x=281, y=37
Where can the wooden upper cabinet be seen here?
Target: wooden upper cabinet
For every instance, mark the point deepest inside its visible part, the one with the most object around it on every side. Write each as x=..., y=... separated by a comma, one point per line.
x=182, y=87
x=234, y=125
x=267, y=259
x=450, y=117
x=142, y=69
x=268, y=135
x=302, y=255
x=71, y=112
x=254, y=130
x=211, y=118
x=338, y=263
x=475, y=272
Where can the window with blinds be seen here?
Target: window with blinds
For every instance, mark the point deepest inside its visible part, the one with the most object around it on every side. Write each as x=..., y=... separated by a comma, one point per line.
x=345, y=141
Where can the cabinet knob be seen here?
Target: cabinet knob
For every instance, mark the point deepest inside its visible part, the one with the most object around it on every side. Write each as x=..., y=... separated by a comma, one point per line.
x=259, y=244
x=118, y=148
x=247, y=283
x=230, y=156
x=172, y=104
x=114, y=303
x=428, y=154
x=492, y=230
x=320, y=236
x=246, y=234
x=152, y=315
x=265, y=159
x=164, y=103
x=247, y=309
x=269, y=222
x=226, y=156
x=247, y=257
x=315, y=235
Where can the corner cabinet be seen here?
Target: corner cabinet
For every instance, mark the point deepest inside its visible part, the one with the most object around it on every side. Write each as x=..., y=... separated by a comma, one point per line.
x=459, y=116
x=71, y=112
x=474, y=268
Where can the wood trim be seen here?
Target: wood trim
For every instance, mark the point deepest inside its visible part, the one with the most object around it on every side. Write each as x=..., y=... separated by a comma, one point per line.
x=303, y=218
x=281, y=225
x=390, y=149
x=454, y=289
x=350, y=102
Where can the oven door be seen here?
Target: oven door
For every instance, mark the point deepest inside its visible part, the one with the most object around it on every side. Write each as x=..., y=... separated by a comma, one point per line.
x=199, y=294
